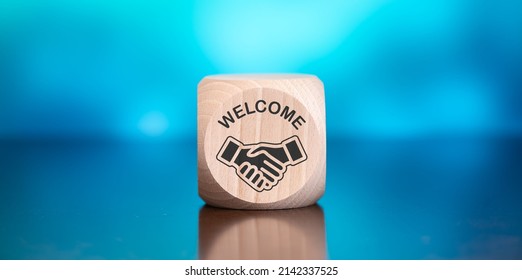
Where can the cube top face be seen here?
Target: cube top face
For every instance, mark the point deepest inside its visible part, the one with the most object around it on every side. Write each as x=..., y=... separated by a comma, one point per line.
x=258, y=77
x=261, y=140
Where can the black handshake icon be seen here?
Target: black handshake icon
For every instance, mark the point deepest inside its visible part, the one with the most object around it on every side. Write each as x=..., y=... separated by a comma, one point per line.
x=261, y=165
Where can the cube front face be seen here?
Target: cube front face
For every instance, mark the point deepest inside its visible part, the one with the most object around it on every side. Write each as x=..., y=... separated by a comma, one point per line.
x=261, y=141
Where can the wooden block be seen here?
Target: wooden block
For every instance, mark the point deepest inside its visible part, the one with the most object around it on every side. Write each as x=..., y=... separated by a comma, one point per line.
x=261, y=141
x=293, y=234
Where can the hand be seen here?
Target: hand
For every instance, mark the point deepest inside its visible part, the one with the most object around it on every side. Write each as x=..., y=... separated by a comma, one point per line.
x=288, y=152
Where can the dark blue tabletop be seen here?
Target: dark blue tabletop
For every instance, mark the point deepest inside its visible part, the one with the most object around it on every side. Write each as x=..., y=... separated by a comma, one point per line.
x=399, y=199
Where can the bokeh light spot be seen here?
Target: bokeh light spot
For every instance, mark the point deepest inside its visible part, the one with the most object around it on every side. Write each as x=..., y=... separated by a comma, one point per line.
x=153, y=124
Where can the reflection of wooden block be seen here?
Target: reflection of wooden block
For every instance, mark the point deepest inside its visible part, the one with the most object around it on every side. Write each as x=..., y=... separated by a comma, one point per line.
x=261, y=141
x=279, y=234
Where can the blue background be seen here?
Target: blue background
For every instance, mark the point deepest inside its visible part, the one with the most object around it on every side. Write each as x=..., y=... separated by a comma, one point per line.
x=98, y=106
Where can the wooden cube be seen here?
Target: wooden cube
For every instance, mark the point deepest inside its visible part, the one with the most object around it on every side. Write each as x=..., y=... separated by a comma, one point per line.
x=261, y=141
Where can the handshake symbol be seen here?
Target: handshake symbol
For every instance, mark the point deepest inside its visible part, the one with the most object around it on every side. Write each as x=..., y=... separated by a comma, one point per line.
x=261, y=165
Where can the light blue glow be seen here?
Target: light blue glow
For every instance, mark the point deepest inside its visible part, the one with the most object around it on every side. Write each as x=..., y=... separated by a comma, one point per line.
x=274, y=35
x=397, y=68
x=153, y=124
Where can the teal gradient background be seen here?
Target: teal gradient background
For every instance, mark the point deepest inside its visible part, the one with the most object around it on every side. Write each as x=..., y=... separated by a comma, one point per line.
x=98, y=106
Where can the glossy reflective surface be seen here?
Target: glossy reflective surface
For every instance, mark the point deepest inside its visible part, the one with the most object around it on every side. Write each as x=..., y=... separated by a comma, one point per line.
x=415, y=199
x=291, y=234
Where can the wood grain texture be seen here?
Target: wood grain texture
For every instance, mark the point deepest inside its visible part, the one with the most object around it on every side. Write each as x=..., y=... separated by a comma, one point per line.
x=261, y=141
x=293, y=234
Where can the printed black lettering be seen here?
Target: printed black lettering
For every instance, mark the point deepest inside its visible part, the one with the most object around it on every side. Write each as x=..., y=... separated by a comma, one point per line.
x=286, y=115
x=226, y=120
x=298, y=122
x=247, y=109
x=258, y=108
x=261, y=106
x=238, y=110
x=270, y=107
